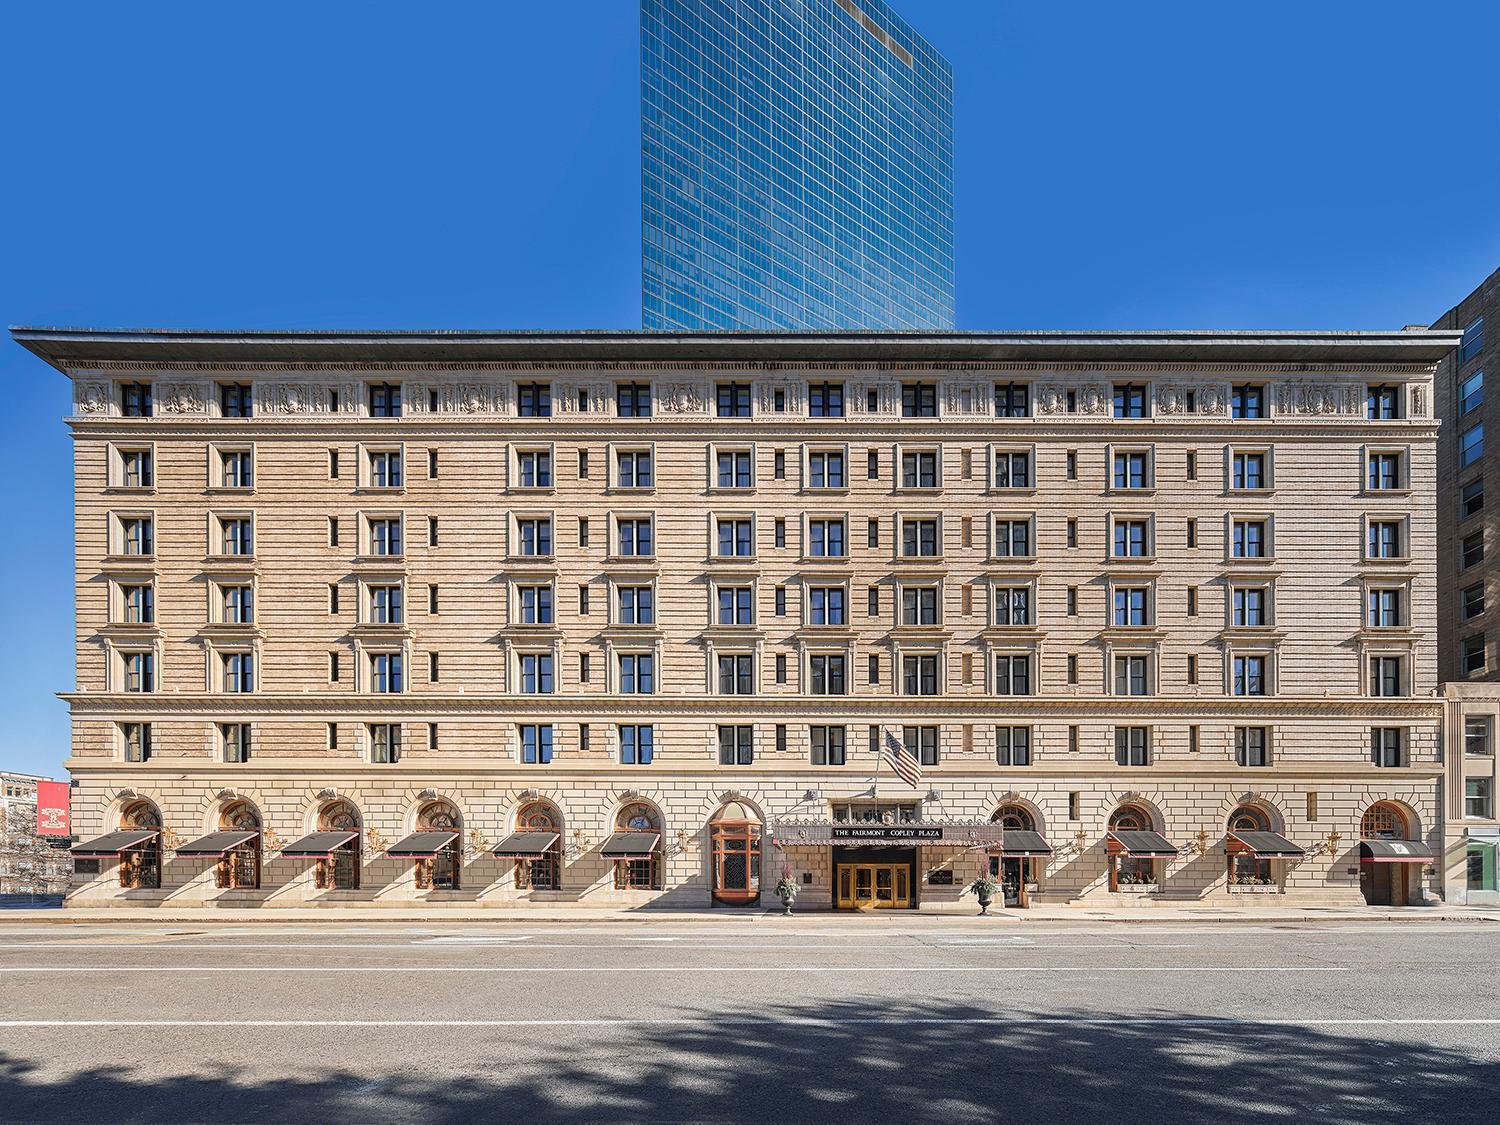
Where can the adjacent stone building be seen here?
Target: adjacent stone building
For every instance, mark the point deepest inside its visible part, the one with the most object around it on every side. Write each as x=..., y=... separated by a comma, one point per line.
x=30, y=864
x=607, y=617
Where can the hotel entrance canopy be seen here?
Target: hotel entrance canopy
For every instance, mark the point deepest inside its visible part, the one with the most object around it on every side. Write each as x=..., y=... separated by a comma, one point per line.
x=875, y=834
x=1394, y=851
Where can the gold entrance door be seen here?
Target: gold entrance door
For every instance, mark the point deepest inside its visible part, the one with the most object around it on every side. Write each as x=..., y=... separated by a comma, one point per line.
x=873, y=886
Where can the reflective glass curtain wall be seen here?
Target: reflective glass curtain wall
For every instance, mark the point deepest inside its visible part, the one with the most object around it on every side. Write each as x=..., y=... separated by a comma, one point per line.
x=797, y=168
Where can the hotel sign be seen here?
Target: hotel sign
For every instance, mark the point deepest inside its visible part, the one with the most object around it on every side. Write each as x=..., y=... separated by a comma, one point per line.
x=953, y=835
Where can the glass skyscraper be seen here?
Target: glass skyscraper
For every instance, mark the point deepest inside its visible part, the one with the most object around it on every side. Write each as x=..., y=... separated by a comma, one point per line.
x=796, y=168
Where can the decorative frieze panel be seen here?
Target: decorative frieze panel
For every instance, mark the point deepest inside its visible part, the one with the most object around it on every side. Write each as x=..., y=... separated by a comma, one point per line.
x=887, y=398
x=966, y=399
x=582, y=398
x=683, y=398
x=182, y=398
x=90, y=397
x=1089, y=398
x=1209, y=399
x=278, y=398
x=1344, y=399
x=792, y=391
x=472, y=397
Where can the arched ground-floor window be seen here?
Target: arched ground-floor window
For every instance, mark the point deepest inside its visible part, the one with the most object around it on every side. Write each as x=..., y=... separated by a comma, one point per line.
x=735, y=834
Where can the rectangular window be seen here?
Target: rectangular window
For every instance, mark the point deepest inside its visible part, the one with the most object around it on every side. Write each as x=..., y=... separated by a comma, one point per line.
x=1382, y=403
x=736, y=605
x=1012, y=470
x=1250, y=746
x=536, y=673
x=919, y=469
x=780, y=601
x=1012, y=400
x=1386, y=677
x=1130, y=400
x=536, y=605
x=779, y=465
x=386, y=673
x=637, y=742
x=385, y=605
x=1385, y=610
x=583, y=600
x=385, y=469
x=1075, y=805
x=135, y=400
x=1192, y=668
x=1012, y=538
x=1192, y=533
x=333, y=464
x=1132, y=746
x=234, y=738
x=1012, y=675
x=1250, y=608
x=433, y=671
x=1472, y=601
x=633, y=469
x=1072, y=668
x=734, y=469
x=238, y=671
x=140, y=672
x=781, y=667
x=919, y=605
x=826, y=470
x=1131, y=539
x=1191, y=459
x=1385, y=747
x=534, y=400
x=737, y=675
x=633, y=400
x=826, y=539
x=736, y=745
x=1250, y=675
x=534, y=468
x=1472, y=342
x=637, y=673
x=385, y=537
x=635, y=605
x=1385, y=470
x=734, y=400
x=1249, y=539
x=1471, y=499
x=333, y=667
x=1471, y=393
x=432, y=600
x=136, y=738
x=385, y=400
x=1470, y=445
x=536, y=537
x=585, y=667
x=826, y=605
x=1385, y=540
x=1248, y=471
x=922, y=742
x=1072, y=606
x=1012, y=605
x=919, y=675
x=236, y=536
x=919, y=538
x=1132, y=470
x=1478, y=738
x=1247, y=400
x=633, y=538
x=736, y=538
x=918, y=400
x=1013, y=746
x=872, y=669
x=1132, y=605
x=536, y=744
x=1071, y=464
x=138, y=603
x=827, y=675
x=1478, y=798
x=1072, y=533
x=1471, y=549
x=826, y=400
x=136, y=468
x=1193, y=738
x=385, y=743
x=1472, y=654
x=432, y=464
x=828, y=745
x=1131, y=675
x=872, y=601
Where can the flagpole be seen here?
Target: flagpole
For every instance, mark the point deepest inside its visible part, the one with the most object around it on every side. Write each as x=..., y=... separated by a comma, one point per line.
x=879, y=754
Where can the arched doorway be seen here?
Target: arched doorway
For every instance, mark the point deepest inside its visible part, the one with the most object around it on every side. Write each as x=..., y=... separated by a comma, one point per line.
x=542, y=871
x=1248, y=869
x=639, y=872
x=1384, y=882
x=339, y=870
x=440, y=871
x=735, y=833
x=1014, y=872
x=140, y=867
x=239, y=868
x=1131, y=870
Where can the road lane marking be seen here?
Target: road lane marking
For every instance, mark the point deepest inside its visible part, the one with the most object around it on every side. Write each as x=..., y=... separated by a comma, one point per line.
x=882, y=968
x=810, y=1021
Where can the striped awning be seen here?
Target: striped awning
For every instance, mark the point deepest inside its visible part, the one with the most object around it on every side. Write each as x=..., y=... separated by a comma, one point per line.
x=116, y=842
x=217, y=843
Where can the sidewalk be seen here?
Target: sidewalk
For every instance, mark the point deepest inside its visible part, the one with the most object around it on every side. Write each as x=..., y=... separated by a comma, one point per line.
x=1050, y=915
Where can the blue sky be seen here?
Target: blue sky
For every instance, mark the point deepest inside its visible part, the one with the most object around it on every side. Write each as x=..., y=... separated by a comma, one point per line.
x=1156, y=165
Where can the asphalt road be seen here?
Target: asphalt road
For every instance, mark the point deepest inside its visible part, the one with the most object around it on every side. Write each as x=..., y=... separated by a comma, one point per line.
x=812, y=1019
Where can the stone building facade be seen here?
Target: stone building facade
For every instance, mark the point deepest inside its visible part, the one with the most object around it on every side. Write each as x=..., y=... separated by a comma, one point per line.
x=30, y=864
x=396, y=618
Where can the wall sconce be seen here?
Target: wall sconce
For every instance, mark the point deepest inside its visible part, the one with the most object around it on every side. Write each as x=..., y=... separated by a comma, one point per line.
x=1331, y=843
x=477, y=840
x=271, y=842
x=580, y=845
x=1200, y=842
x=1080, y=840
x=377, y=841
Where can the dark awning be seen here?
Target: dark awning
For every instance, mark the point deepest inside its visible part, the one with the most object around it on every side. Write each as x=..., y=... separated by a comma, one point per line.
x=1394, y=851
x=320, y=843
x=422, y=843
x=526, y=845
x=632, y=845
x=116, y=842
x=217, y=843
x=1021, y=842
x=1139, y=844
x=1266, y=845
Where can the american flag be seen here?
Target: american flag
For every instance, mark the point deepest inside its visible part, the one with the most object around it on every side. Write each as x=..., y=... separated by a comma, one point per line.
x=903, y=760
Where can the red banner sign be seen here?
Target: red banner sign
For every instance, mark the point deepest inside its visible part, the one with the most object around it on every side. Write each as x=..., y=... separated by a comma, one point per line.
x=52, y=809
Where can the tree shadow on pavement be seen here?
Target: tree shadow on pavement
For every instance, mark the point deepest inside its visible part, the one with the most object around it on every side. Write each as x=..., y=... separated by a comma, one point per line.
x=844, y=1062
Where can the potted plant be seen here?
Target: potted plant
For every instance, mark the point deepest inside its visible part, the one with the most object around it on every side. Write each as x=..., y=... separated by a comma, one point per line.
x=984, y=888
x=786, y=889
